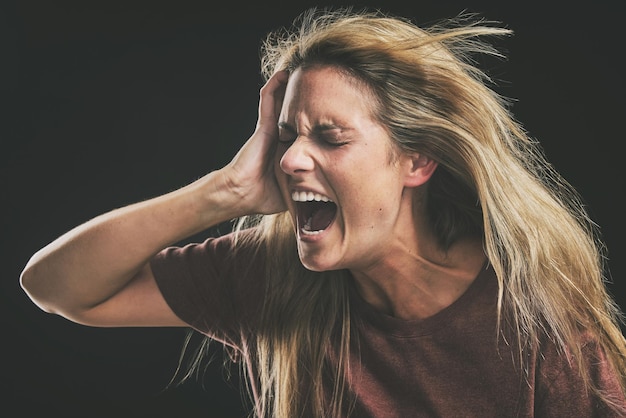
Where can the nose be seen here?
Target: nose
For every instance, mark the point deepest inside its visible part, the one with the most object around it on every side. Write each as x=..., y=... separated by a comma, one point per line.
x=298, y=157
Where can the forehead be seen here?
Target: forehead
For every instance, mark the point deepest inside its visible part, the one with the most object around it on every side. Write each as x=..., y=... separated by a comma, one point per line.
x=325, y=90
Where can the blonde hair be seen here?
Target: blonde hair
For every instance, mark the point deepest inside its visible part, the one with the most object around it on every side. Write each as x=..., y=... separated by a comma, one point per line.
x=492, y=181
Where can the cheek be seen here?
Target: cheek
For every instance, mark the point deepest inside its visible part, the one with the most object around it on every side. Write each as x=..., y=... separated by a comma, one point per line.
x=375, y=198
x=278, y=172
x=282, y=179
x=279, y=151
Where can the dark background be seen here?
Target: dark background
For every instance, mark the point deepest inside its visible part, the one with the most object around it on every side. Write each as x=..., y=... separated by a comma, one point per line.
x=107, y=102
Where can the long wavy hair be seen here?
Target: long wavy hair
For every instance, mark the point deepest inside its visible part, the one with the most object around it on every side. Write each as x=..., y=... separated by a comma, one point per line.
x=492, y=181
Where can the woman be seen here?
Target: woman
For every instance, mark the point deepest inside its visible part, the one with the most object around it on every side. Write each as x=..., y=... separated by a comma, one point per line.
x=404, y=249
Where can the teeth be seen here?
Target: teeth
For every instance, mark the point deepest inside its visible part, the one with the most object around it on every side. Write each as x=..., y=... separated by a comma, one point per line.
x=309, y=197
x=306, y=229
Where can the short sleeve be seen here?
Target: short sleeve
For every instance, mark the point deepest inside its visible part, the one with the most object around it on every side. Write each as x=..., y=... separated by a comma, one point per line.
x=213, y=286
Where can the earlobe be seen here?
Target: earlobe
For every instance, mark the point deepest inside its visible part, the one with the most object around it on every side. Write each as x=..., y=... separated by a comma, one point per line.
x=421, y=168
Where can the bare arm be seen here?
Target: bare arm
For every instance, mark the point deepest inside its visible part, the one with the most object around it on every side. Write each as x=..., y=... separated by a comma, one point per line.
x=98, y=273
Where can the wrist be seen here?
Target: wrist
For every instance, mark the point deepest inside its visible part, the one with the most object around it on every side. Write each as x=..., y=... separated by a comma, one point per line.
x=216, y=198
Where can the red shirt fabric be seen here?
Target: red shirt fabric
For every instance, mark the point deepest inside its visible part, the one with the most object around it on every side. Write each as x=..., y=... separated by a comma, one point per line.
x=453, y=364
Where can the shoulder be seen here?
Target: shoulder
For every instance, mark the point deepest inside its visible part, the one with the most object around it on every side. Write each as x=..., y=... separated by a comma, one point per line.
x=213, y=250
x=566, y=384
x=213, y=285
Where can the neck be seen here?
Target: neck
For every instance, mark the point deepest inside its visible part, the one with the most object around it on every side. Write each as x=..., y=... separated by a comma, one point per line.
x=416, y=283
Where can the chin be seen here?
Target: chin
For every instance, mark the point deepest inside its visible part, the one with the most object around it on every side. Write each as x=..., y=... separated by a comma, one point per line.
x=318, y=264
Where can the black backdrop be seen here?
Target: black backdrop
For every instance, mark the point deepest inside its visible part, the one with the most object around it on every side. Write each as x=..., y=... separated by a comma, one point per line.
x=107, y=103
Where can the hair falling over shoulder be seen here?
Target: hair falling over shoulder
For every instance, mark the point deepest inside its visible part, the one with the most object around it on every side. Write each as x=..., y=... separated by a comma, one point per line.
x=493, y=181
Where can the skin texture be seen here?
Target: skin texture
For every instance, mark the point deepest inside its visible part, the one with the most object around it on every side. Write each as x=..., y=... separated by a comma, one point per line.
x=331, y=144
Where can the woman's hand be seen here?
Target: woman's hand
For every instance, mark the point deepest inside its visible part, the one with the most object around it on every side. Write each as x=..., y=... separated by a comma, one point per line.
x=98, y=273
x=250, y=174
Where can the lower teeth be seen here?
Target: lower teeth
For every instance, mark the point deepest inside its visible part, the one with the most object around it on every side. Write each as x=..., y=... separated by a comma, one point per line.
x=307, y=228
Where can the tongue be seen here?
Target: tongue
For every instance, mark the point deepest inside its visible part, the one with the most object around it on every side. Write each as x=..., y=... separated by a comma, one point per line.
x=321, y=216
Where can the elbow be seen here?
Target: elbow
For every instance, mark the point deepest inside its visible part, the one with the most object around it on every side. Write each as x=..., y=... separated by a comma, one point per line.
x=33, y=283
x=50, y=295
x=39, y=288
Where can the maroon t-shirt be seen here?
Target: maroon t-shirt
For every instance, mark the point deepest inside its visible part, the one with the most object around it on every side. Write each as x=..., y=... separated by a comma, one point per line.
x=452, y=364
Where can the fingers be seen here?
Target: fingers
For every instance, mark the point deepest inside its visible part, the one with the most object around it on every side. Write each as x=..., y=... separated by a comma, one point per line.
x=271, y=99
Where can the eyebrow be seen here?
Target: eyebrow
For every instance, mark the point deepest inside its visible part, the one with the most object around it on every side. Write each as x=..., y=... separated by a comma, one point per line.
x=316, y=129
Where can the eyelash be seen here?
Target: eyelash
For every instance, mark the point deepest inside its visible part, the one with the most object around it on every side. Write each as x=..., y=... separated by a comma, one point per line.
x=332, y=144
x=335, y=144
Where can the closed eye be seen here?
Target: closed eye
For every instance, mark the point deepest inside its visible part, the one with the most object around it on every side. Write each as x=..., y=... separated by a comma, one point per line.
x=332, y=141
x=286, y=134
x=328, y=135
x=332, y=135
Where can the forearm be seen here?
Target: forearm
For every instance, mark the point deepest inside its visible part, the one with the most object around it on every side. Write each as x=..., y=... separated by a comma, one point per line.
x=92, y=262
x=97, y=261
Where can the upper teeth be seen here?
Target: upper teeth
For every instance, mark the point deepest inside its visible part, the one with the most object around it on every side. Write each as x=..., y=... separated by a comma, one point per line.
x=308, y=197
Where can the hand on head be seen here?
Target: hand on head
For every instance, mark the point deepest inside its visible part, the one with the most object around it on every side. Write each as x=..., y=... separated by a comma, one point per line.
x=250, y=174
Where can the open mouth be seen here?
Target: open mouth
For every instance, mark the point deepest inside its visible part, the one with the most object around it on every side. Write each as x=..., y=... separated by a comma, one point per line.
x=314, y=212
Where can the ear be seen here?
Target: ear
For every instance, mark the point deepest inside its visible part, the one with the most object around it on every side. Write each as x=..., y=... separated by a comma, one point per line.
x=419, y=169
